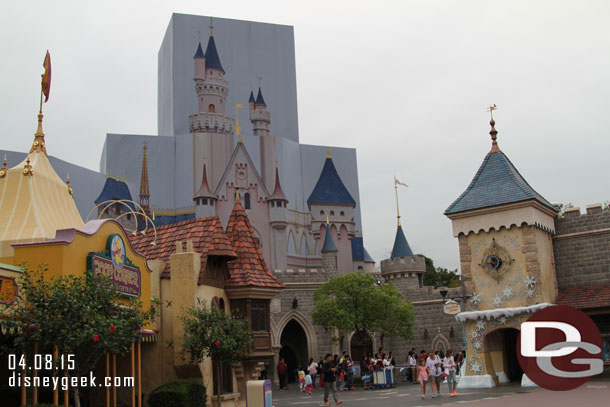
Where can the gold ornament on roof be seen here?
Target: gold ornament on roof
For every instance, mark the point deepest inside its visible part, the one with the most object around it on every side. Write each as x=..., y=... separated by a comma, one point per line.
x=27, y=168
x=237, y=128
x=68, y=184
x=4, y=168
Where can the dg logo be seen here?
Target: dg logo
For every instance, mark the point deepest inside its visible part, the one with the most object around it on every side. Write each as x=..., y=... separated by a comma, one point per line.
x=559, y=348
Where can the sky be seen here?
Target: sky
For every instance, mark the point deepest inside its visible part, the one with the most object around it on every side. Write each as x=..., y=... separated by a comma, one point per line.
x=406, y=83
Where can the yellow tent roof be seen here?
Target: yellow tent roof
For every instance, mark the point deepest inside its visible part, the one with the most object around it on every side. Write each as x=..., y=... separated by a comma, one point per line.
x=34, y=201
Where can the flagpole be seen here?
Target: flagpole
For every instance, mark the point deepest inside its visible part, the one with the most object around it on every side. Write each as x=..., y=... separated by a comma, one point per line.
x=397, y=207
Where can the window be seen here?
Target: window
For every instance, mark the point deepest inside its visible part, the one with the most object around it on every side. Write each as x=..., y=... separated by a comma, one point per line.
x=226, y=372
x=247, y=200
x=332, y=213
x=322, y=213
x=258, y=313
x=211, y=108
x=342, y=213
x=221, y=304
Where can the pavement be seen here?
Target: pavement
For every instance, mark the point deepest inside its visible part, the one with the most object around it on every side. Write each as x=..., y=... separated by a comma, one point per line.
x=594, y=393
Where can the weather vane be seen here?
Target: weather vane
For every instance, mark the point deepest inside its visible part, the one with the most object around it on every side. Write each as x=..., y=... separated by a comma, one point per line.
x=491, y=109
x=260, y=81
x=211, y=26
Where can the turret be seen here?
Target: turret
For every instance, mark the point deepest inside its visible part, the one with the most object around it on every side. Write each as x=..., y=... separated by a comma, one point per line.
x=199, y=62
x=144, y=188
x=278, y=202
x=205, y=200
x=261, y=119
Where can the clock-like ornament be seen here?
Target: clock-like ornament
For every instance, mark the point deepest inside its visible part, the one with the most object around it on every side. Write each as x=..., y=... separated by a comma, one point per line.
x=496, y=261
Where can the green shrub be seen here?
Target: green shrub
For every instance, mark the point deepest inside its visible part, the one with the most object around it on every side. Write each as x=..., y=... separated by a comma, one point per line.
x=178, y=394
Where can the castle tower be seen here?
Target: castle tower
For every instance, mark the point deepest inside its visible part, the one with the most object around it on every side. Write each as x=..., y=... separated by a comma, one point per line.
x=329, y=252
x=144, y=188
x=211, y=127
x=330, y=200
x=205, y=200
x=504, y=229
x=278, y=205
x=260, y=118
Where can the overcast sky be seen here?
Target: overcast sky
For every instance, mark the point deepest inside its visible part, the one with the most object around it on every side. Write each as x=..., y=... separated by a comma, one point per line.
x=406, y=83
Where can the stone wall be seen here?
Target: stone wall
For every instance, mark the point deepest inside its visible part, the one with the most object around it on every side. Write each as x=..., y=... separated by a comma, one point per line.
x=581, y=247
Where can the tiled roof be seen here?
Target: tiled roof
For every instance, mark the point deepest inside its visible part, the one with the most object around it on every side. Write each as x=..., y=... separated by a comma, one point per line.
x=249, y=269
x=211, y=54
x=401, y=246
x=594, y=296
x=330, y=188
x=496, y=182
x=199, y=53
x=259, y=98
x=207, y=235
x=114, y=189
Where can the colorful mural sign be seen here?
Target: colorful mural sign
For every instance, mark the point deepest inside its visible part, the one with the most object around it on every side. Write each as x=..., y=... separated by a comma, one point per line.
x=8, y=290
x=115, y=264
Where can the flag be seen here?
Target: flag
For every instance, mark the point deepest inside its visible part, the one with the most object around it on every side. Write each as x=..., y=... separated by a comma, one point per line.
x=46, y=77
x=397, y=182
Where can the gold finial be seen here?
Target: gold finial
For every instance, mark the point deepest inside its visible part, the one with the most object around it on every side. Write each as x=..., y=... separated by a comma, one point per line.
x=27, y=168
x=328, y=153
x=211, y=26
x=153, y=212
x=493, y=132
x=237, y=198
x=4, y=168
x=68, y=183
x=237, y=128
x=260, y=81
x=397, y=206
x=327, y=220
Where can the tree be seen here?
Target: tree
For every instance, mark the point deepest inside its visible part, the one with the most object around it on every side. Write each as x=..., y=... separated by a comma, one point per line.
x=355, y=302
x=210, y=332
x=81, y=315
x=439, y=276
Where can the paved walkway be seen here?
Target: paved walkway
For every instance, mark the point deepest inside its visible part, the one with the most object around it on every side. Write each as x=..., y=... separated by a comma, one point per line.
x=592, y=394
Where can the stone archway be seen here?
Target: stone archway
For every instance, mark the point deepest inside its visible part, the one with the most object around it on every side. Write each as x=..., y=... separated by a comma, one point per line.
x=440, y=342
x=310, y=332
x=359, y=347
x=500, y=348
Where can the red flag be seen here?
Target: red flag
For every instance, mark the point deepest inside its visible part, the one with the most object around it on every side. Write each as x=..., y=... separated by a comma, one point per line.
x=46, y=77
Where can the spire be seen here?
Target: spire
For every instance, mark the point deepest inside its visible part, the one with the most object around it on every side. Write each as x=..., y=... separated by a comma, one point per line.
x=329, y=187
x=401, y=246
x=237, y=197
x=204, y=189
x=211, y=54
x=199, y=53
x=259, y=98
x=68, y=183
x=237, y=128
x=329, y=243
x=144, y=188
x=251, y=99
x=328, y=153
x=277, y=194
x=493, y=132
x=39, y=143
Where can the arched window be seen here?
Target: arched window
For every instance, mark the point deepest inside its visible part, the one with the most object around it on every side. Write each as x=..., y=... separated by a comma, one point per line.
x=291, y=245
x=221, y=304
x=360, y=268
x=247, y=200
x=211, y=108
x=342, y=213
x=321, y=213
x=332, y=213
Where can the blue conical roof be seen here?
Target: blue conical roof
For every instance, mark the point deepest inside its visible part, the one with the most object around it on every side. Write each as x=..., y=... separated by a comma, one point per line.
x=115, y=189
x=259, y=98
x=329, y=243
x=211, y=54
x=251, y=97
x=401, y=246
x=496, y=182
x=330, y=188
x=199, y=52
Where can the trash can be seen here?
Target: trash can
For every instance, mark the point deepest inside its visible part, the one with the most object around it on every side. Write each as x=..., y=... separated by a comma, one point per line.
x=259, y=393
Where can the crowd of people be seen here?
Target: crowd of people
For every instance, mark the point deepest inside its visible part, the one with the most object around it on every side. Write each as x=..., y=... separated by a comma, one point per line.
x=336, y=373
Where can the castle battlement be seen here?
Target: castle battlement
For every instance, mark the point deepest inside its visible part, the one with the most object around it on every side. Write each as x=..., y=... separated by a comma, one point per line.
x=410, y=265
x=211, y=122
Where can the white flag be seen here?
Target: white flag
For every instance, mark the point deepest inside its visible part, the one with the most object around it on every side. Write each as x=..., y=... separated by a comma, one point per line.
x=397, y=182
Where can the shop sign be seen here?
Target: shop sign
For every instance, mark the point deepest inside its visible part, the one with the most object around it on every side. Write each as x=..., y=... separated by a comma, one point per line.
x=451, y=307
x=115, y=264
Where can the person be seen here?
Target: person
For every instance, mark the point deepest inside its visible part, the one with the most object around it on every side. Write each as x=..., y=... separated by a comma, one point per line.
x=329, y=371
x=301, y=375
x=308, y=384
x=350, y=373
x=458, y=362
x=313, y=372
x=436, y=373
x=412, y=364
x=282, y=371
x=422, y=355
x=450, y=366
x=320, y=364
x=422, y=376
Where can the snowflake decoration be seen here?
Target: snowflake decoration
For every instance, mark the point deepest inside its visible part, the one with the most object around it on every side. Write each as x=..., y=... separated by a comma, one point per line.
x=508, y=292
x=531, y=293
x=477, y=345
x=475, y=298
x=503, y=320
x=481, y=325
x=530, y=282
x=475, y=334
x=497, y=300
x=476, y=368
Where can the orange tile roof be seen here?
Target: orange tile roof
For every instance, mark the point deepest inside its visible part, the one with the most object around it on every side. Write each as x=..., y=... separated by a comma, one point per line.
x=249, y=269
x=207, y=235
x=594, y=296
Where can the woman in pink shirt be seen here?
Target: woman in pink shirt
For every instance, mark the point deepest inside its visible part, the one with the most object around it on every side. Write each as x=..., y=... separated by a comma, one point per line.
x=422, y=376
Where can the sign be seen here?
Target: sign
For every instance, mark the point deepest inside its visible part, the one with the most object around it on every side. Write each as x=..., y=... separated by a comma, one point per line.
x=451, y=307
x=114, y=263
x=560, y=348
x=8, y=290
